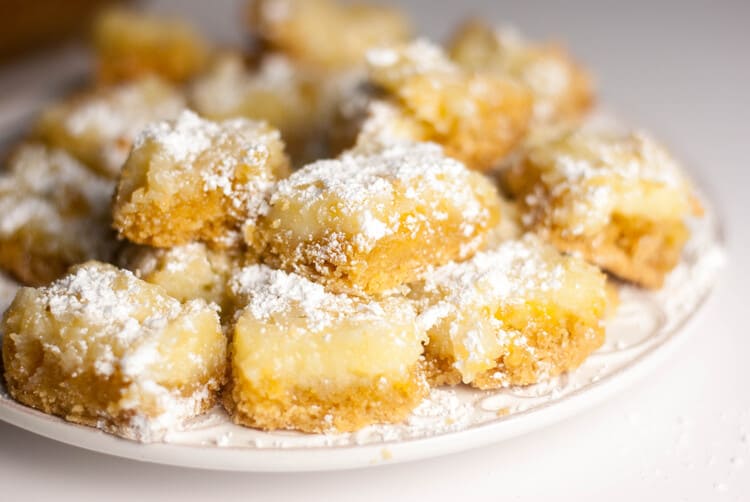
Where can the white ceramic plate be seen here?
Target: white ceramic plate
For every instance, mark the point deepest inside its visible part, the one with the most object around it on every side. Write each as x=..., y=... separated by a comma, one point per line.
x=644, y=331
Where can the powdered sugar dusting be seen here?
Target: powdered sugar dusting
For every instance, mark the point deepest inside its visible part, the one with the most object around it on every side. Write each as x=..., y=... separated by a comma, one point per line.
x=17, y=212
x=442, y=412
x=52, y=205
x=43, y=184
x=103, y=296
x=459, y=299
x=115, y=116
x=361, y=184
x=462, y=408
x=391, y=65
x=44, y=171
x=512, y=272
x=385, y=124
x=586, y=177
x=183, y=139
x=268, y=293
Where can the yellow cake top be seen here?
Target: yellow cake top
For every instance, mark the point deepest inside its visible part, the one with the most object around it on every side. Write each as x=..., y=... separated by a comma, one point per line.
x=364, y=187
x=109, y=316
x=286, y=298
x=590, y=176
x=188, y=137
x=517, y=271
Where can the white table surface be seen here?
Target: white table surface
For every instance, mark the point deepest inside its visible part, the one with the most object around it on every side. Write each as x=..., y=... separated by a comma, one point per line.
x=680, y=69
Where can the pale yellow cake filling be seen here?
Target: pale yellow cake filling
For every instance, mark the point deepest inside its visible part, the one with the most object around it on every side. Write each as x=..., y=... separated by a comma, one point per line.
x=308, y=359
x=313, y=225
x=512, y=315
x=185, y=272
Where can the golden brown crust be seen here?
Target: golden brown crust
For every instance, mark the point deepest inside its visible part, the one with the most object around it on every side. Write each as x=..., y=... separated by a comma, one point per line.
x=546, y=353
x=306, y=359
x=440, y=370
x=368, y=222
x=634, y=249
x=342, y=410
x=180, y=226
x=90, y=400
x=515, y=315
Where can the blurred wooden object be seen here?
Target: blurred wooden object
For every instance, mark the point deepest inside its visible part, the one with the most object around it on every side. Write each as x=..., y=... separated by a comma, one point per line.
x=30, y=24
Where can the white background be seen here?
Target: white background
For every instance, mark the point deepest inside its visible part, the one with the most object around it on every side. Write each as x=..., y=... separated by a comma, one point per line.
x=682, y=70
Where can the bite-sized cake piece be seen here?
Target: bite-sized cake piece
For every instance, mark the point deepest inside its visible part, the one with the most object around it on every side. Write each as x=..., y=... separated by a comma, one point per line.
x=131, y=44
x=620, y=200
x=98, y=127
x=185, y=272
x=324, y=33
x=102, y=348
x=306, y=359
x=196, y=180
x=280, y=92
x=562, y=89
x=476, y=116
x=515, y=315
x=371, y=222
x=54, y=213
